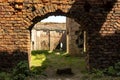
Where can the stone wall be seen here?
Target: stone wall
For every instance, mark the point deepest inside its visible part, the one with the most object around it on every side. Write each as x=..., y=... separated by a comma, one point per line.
x=72, y=28
x=99, y=18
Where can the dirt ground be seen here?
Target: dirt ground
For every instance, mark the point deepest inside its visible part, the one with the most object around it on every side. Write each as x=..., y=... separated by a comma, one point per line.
x=51, y=75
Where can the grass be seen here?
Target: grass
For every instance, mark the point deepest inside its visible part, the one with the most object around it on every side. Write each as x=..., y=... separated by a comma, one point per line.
x=51, y=61
x=56, y=59
x=37, y=60
x=45, y=63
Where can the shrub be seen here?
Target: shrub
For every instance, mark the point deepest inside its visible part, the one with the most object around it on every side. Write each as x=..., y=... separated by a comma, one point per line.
x=21, y=71
x=4, y=76
x=111, y=71
x=114, y=70
x=117, y=66
x=98, y=73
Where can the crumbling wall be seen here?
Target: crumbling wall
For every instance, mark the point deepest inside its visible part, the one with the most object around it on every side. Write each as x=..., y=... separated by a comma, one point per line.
x=100, y=18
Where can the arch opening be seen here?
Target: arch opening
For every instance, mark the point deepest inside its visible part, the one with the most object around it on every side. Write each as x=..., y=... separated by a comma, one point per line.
x=78, y=50
x=76, y=30
x=73, y=32
x=49, y=34
x=99, y=18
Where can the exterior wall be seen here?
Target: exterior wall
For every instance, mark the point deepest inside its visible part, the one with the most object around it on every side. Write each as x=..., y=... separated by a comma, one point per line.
x=100, y=18
x=48, y=36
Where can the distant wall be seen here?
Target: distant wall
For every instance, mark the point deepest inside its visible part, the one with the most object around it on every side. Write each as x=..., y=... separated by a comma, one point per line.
x=48, y=36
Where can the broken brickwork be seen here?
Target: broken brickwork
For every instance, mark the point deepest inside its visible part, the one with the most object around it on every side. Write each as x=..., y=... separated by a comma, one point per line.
x=99, y=18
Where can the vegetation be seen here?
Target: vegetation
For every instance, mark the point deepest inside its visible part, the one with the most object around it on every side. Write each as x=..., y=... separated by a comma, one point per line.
x=44, y=64
x=47, y=59
x=20, y=72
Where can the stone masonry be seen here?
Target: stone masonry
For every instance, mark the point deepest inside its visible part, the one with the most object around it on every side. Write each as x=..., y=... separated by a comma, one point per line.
x=99, y=18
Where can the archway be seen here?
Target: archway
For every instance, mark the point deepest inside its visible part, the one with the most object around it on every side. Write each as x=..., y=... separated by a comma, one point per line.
x=83, y=13
x=50, y=61
x=84, y=18
x=72, y=31
x=75, y=39
x=48, y=10
x=99, y=18
x=49, y=34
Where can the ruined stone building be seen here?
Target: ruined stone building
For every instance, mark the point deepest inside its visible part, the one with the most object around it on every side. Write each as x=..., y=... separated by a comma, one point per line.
x=48, y=36
x=98, y=19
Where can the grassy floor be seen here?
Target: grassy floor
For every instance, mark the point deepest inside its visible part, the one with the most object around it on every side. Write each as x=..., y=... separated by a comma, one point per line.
x=51, y=61
x=45, y=63
x=56, y=59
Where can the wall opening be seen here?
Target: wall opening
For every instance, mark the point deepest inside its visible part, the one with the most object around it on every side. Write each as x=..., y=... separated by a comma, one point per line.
x=49, y=34
x=57, y=37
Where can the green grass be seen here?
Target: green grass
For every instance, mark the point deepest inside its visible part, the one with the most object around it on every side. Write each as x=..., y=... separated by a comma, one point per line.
x=55, y=60
x=44, y=63
x=37, y=60
x=47, y=60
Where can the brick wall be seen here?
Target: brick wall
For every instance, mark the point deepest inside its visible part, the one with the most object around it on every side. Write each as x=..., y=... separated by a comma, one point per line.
x=101, y=20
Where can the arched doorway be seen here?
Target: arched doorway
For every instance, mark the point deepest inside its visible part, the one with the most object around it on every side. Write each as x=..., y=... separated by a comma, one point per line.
x=49, y=34
x=46, y=11
x=80, y=11
x=93, y=15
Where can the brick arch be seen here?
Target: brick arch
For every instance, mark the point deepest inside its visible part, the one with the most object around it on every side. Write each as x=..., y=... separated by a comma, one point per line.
x=46, y=11
x=42, y=13
x=99, y=17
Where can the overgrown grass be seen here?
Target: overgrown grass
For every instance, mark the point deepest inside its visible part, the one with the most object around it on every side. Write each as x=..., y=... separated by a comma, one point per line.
x=41, y=61
x=55, y=60
x=44, y=60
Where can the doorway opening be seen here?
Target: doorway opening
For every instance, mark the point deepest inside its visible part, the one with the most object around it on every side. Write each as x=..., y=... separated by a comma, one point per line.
x=49, y=34
x=50, y=45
